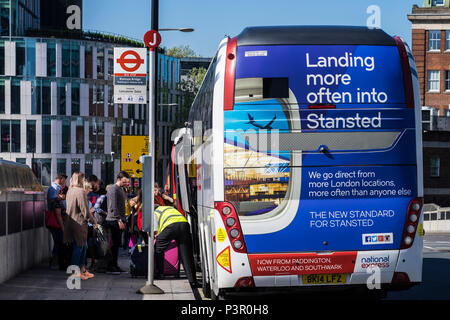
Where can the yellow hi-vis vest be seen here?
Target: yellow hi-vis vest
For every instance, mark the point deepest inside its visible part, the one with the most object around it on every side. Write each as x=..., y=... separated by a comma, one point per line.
x=166, y=215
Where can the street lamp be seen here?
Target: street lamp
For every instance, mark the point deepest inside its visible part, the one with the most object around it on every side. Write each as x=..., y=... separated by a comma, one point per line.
x=177, y=29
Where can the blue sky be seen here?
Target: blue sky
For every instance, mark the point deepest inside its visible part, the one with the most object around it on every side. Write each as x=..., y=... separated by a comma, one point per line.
x=213, y=19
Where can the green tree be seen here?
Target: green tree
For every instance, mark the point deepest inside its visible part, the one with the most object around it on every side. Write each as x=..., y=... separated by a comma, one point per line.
x=193, y=81
x=189, y=88
x=181, y=52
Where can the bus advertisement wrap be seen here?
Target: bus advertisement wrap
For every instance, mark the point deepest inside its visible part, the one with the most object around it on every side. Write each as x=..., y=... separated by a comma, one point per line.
x=357, y=156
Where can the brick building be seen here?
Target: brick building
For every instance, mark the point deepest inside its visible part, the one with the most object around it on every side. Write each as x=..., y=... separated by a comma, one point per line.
x=431, y=50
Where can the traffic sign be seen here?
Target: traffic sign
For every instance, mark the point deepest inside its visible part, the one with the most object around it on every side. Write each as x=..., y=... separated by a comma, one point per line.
x=133, y=147
x=152, y=39
x=130, y=75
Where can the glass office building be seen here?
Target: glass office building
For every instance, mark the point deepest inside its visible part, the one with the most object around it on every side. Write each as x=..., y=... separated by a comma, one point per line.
x=56, y=103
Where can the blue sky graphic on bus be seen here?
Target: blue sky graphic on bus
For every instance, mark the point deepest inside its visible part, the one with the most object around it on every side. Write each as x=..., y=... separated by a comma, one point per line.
x=362, y=184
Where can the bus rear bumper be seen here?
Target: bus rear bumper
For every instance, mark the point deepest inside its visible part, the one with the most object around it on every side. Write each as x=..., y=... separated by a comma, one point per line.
x=311, y=292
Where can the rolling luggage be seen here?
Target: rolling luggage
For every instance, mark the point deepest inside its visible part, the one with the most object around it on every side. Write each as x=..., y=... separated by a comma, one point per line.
x=171, y=261
x=139, y=261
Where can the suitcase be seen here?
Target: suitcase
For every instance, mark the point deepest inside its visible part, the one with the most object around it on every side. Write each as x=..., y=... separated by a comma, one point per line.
x=171, y=261
x=139, y=261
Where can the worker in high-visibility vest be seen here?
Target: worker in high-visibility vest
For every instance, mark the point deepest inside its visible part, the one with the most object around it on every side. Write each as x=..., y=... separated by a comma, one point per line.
x=172, y=225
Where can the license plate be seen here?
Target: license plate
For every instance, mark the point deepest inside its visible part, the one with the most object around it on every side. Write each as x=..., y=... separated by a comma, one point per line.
x=324, y=278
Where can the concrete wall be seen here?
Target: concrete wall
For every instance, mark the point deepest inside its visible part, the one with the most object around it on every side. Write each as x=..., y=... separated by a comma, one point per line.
x=438, y=226
x=21, y=251
x=24, y=239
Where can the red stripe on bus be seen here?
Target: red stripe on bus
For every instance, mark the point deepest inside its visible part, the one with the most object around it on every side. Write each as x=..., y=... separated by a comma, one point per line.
x=230, y=69
x=407, y=79
x=302, y=263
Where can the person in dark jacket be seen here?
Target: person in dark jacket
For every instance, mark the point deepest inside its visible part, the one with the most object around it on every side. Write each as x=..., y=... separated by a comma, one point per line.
x=116, y=219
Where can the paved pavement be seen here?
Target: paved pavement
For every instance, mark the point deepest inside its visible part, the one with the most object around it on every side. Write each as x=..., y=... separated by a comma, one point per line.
x=41, y=283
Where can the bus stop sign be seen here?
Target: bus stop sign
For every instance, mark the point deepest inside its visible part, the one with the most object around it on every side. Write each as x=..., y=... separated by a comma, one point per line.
x=152, y=39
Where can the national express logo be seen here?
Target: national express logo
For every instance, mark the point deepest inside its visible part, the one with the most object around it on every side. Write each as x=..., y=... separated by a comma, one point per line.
x=380, y=262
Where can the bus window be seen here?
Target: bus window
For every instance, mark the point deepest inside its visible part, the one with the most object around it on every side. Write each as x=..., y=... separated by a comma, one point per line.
x=275, y=88
x=255, y=183
x=257, y=177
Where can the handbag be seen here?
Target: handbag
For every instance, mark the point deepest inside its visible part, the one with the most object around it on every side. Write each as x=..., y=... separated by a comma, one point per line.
x=102, y=241
x=50, y=220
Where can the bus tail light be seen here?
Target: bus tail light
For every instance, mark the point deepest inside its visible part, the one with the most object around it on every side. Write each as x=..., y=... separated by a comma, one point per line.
x=232, y=225
x=412, y=220
x=245, y=282
x=400, y=277
x=407, y=78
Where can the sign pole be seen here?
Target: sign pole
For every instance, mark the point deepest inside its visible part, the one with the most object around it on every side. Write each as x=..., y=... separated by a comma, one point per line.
x=149, y=287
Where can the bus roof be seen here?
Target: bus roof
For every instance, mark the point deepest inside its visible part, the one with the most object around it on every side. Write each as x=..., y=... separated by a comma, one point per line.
x=313, y=35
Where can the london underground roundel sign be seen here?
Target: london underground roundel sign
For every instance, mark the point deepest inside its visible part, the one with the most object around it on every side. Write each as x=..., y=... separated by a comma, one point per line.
x=152, y=39
x=130, y=61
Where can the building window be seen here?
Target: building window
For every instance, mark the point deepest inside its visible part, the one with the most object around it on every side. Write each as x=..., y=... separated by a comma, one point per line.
x=30, y=65
x=20, y=58
x=2, y=96
x=75, y=60
x=4, y=19
x=61, y=98
x=110, y=63
x=15, y=135
x=88, y=62
x=447, y=80
x=79, y=131
x=66, y=59
x=15, y=97
x=75, y=99
x=46, y=135
x=46, y=97
x=100, y=63
x=2, y=56
x=5, y=135
x=61, y=166
x=447, y=40
x=65, y=137
x=51, y=59
x=434, y=166
x=434, y=40
x=88, y=168
x=31, y=135
x=437, y=2
x=433, y=80
x=42, y=170
x=75, y=165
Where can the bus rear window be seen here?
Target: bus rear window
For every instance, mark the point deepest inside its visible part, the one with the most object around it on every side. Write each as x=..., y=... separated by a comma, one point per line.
x=275, y=88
